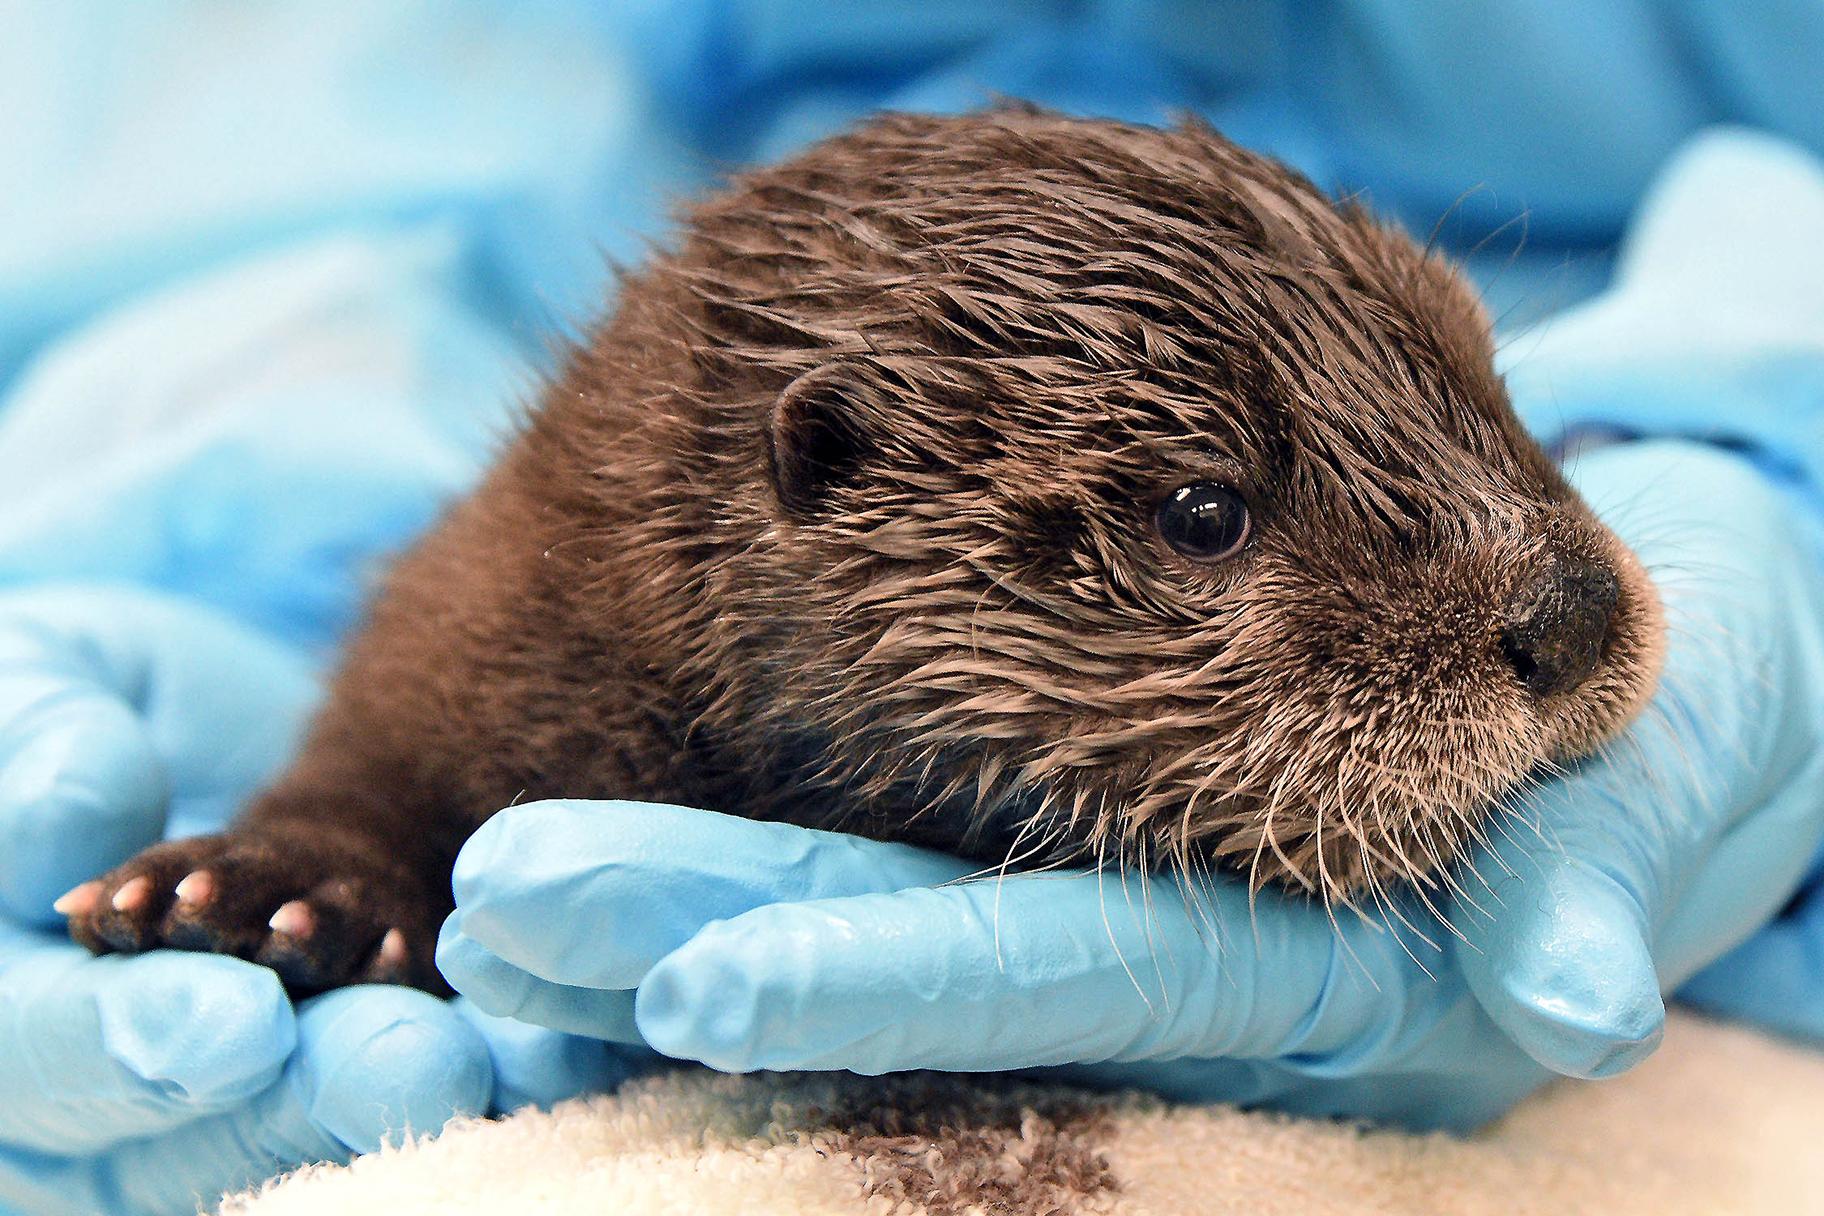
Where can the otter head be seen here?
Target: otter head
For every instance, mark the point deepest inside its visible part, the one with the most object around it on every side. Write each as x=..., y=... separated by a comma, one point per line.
x=1117, y=494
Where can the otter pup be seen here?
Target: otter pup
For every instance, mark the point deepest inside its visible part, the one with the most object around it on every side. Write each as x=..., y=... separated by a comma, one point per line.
x=1040, y=489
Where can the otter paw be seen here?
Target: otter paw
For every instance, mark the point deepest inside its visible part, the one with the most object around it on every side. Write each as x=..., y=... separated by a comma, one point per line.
x=319, y=921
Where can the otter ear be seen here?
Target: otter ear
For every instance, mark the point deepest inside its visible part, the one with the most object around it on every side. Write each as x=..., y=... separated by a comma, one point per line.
x=816, y=437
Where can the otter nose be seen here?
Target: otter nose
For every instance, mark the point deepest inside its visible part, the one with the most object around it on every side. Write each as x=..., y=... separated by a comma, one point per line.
x=1556, y=626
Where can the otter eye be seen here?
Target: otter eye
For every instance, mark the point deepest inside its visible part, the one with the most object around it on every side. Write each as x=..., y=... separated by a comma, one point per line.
x=1204, y=521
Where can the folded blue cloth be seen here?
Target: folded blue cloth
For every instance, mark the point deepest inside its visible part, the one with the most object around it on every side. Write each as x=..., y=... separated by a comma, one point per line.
x=1714, y=325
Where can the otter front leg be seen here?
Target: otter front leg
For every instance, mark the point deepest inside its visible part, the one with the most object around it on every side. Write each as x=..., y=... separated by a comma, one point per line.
x=324, y=886
x=476, y=683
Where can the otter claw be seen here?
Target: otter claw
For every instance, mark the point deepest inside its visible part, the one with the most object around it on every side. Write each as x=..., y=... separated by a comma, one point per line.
x=294, y=919
x=198, y=887
x=132, y=894
x=78, y=900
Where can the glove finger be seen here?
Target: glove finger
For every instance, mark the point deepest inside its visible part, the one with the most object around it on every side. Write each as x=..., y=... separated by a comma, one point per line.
x=1624, y=878
x=1459, y=1098
x=223, y=704
x=535, y=1066
x=1564, y=968
x=591, y=894
x=376, y=1061
x=1747, y=882
x=218, y=704
x=1775, y=978
x=81, y=789
x=1570, y=948
x=125, y=716
x=372, y=1064
x=501, y=990
x=94, y=1051
x=1027, y=972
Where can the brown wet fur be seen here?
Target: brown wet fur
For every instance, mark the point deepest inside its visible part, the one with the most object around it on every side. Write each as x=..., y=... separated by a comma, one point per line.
x=846, y=516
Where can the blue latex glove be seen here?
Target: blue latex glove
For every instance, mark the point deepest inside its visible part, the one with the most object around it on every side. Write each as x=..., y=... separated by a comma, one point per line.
x=765, y=946
x=1715, y=329
x=148, y=1084
x=1776, y=977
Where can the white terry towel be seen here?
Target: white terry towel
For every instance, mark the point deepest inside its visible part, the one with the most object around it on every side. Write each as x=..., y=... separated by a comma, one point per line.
x=1721, y=1120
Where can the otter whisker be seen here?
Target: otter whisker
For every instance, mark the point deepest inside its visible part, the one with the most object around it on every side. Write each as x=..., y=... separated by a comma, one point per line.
x=1114, y=938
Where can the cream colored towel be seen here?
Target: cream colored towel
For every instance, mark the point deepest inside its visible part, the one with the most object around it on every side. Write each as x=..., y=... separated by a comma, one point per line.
x=1720, y=1121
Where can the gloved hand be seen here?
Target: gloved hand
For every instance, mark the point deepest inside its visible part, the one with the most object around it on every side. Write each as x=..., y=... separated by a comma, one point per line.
x=148, y=1084
x=749, y=945
x=1775, y=978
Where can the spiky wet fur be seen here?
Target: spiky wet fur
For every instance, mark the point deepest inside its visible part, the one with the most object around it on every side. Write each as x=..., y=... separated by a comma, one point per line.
x=845, y=516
